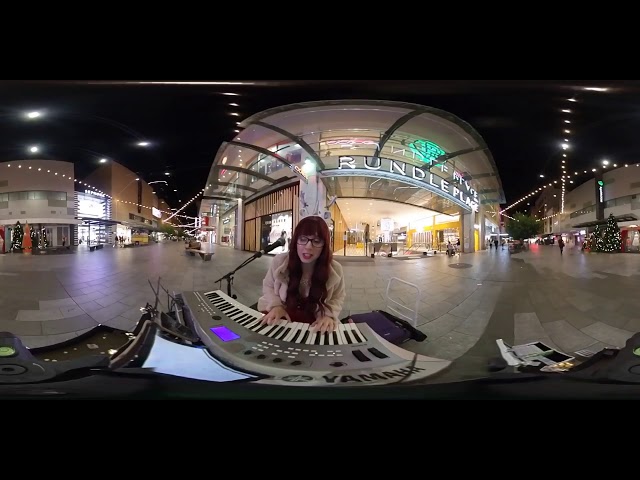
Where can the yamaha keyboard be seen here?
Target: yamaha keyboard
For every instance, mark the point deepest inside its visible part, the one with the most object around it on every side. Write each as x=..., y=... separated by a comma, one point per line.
x=292, y=353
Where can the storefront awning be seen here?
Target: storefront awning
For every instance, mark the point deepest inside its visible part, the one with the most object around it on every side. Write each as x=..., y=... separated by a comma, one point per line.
x=620, y=218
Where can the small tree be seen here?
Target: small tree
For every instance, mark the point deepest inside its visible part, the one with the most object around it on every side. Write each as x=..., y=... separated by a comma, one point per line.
x=523, y=226
x=168, y=229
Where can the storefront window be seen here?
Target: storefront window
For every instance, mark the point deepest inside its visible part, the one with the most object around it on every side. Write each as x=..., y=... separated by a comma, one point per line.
x=87, y=235
x=267, y=165
x=632, y=244
x=276, y=226
x=228, y=226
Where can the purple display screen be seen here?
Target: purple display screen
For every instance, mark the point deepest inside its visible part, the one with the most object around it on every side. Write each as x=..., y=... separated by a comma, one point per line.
x=224, y=334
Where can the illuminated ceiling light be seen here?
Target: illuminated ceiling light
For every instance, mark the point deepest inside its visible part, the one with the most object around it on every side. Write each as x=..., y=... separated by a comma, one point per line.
x=566, y=110
x=230, y=94
x=596, y=89
x=103, y=160
x=34, y=149
x=605, y=162
x=567, y=131
x=572, y=99
x=567, y=121
x=198, y=83
x=33, y=114
x=593, y=170
x=143, y=144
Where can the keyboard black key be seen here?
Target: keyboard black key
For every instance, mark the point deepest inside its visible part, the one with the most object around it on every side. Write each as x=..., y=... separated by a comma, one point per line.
x=277, y=331
x=357, y=335
x=347, y=336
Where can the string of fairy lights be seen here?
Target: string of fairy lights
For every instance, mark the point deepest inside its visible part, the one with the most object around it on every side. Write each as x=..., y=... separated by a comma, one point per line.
x=41, y=170
x=566, y=177
x=566, y=147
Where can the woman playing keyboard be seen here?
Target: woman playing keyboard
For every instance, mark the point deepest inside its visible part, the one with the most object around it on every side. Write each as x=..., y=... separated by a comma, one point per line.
x=305, y=285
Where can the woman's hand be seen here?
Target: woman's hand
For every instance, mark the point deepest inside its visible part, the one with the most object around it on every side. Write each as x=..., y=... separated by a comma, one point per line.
x=324, y=324
x=275, y=315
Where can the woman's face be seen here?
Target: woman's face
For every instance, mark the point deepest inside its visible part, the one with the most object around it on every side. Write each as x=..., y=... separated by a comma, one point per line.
x=309, y=248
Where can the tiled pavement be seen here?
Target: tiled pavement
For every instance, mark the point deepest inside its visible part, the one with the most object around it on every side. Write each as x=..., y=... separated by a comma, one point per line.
x=574, y=302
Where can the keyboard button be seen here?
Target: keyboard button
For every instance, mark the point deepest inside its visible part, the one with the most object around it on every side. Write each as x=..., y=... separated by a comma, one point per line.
x=361, y=356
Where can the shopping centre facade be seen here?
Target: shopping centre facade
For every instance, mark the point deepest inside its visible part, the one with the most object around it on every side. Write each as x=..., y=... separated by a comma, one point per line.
x=45, y=195
x=377, y=171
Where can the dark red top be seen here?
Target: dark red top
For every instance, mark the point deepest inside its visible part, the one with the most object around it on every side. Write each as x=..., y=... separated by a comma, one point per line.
x=298, y=314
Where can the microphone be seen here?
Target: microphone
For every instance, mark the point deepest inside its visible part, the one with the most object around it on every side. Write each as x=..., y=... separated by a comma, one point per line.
x=281, y=242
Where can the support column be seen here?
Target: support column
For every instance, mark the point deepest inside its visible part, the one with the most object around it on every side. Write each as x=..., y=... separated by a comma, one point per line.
x=239, y=233
x=466, y=230
x=483, y=229
x=218, y=231
x=313, y=193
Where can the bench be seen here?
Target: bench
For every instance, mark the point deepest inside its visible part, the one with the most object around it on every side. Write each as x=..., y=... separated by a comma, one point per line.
x=206, y=256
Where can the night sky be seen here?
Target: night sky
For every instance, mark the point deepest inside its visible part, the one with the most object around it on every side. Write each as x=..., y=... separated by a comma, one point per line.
x=521, y=121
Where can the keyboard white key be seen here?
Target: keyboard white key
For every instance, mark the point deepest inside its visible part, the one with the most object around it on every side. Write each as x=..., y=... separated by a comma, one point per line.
x=295, y=328
x=341, y=338
x=311, y=338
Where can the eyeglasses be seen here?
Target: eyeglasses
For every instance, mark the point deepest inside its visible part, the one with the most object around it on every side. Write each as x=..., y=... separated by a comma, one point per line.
x=316, y=242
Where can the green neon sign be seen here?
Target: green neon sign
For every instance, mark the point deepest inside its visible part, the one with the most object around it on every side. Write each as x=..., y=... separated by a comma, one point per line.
x=600, y=182
x=426, y=151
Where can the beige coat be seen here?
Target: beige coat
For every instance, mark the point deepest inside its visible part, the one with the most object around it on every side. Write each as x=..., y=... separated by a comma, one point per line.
x=276, y=282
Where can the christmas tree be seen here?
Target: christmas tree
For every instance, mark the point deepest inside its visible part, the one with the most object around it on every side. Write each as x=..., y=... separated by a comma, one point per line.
x=44, y=241
x=16, y=238
x=611, y=238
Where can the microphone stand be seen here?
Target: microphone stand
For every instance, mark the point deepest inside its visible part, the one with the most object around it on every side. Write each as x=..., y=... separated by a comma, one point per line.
x=229, y=276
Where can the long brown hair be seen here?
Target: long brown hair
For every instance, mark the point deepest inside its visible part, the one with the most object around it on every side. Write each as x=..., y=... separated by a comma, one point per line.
x=310, y=227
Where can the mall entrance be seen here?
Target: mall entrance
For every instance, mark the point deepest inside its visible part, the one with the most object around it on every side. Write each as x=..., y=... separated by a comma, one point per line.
x=363, y=226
